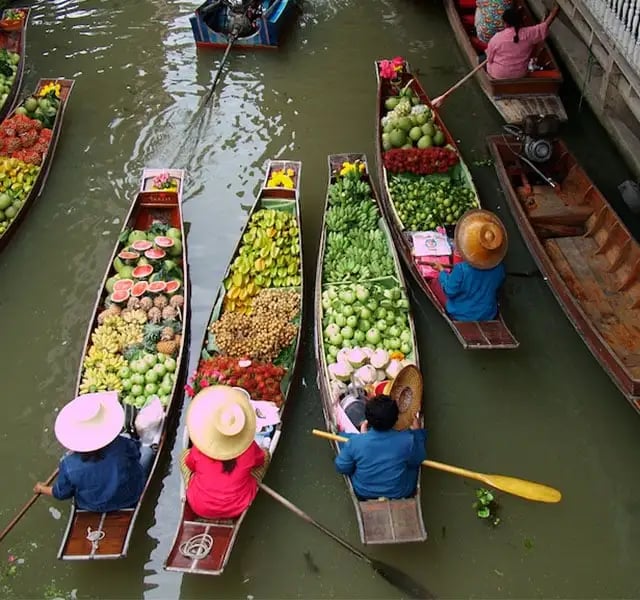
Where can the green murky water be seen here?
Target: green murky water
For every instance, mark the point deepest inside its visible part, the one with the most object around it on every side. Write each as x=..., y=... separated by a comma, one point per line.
x=546, y=411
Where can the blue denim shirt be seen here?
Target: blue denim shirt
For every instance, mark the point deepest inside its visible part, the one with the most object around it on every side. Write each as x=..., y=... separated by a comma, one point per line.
x=472, y=294
x=383, y=463
x=111, y=483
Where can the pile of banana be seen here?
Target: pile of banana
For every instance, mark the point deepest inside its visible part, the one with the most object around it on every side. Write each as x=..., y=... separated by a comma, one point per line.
x=101, y=371
x=356, y=255
x=345, y=217
x=115, y=334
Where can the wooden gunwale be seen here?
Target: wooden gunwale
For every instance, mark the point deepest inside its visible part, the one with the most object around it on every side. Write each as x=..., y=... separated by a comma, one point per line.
x=15, y=45
x=187, y=517
x=615, y=251
x=144, y=204
x=47, y=159
x=335, y=161
x=532, y=88
x=473, y=335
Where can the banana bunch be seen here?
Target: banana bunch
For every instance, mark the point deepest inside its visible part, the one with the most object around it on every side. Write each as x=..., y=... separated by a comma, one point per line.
x=356, y=255
x=349, y=188
x=115, y=334
x=135, y=316
x=106, y=338
x=341, y=217
x=96, y=380
x=100, y=371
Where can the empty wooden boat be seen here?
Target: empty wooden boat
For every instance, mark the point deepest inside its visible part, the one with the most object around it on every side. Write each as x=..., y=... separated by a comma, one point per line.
x=586, y=254
x=203, y=546
x=535, y=94
x=155, y=213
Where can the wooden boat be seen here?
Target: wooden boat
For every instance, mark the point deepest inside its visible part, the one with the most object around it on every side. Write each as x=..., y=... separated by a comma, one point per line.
x=586, y=254
x=13, y=38
x=379, y=521
x=66, y=85
x=215, y=20
x=215, y=538
x=536, y=94
x=91, y=535
x=474, y=335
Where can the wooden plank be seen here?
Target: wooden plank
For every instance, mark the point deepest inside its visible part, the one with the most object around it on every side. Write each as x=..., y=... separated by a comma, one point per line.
x=544, y=206
x=514, y=109
x=392, y=521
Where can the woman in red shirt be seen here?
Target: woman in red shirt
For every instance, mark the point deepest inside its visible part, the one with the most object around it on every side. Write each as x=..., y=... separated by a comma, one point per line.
x=222, y=461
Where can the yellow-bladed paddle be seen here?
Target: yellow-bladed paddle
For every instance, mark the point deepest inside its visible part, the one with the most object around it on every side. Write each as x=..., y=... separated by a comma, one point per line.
x=512, y=485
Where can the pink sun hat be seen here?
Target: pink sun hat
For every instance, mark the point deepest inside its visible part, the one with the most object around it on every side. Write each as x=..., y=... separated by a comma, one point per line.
x=90, y=422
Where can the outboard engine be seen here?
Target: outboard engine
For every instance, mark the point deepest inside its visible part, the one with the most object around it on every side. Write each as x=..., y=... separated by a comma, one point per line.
x=241, y=16
x=538, y=132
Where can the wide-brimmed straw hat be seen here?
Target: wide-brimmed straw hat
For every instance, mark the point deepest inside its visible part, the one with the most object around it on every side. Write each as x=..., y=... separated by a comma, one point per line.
x=406, y=391
x=481, y=239
x=90, y=422
x=221, y=422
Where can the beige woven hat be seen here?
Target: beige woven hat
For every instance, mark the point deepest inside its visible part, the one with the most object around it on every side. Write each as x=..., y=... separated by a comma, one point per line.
x=221, y=422
x=406, y=391
x=481, y=238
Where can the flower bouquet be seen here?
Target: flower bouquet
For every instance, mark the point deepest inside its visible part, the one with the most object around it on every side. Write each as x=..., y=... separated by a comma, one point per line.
x=392, y=70
x=164, y=183
x=282, y=178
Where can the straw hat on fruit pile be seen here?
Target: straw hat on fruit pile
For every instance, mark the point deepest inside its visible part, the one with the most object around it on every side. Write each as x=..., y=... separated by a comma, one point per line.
x=221, y=422
x=90, y=422
x=481, y=239
x=406, y=392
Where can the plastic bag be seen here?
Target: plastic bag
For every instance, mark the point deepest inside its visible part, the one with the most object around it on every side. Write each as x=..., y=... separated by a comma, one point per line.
x=149, y=422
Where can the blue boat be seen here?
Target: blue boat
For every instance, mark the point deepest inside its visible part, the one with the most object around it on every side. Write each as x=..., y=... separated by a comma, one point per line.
x=257, y=23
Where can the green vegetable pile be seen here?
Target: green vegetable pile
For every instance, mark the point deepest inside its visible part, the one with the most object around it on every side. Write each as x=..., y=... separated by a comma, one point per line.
x=346, y=217
x=8, y=69
x=424, y=203
x=356, y=256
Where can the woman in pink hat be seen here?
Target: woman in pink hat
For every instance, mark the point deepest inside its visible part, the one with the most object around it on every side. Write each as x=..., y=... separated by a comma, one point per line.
x=103, y=472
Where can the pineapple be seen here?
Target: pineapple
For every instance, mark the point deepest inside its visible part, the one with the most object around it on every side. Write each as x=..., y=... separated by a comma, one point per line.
x=151, y=337
x=167, y=334
x=133, y=303
x=160, y=301
x=169, y=313
x=169, y=347
x=146, y=303
x=177, y=301
x=154, y=315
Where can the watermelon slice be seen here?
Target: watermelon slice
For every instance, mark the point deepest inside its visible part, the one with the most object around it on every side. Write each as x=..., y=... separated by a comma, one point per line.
x=163, y=241
x=157, y=287
x=141, y=245
x=139, y=288
x=122, y=285
x=155, y=254
x=173, y=286
x=120, y=296
x=142, y=272
x=128, y=257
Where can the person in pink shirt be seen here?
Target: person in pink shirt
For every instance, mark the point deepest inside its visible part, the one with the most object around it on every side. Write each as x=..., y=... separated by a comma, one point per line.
x=509, y=50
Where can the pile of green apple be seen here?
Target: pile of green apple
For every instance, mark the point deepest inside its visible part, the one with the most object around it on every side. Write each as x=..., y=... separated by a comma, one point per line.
x=148, y=376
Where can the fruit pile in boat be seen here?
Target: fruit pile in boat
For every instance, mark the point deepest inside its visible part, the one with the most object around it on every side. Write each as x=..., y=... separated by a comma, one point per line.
x=8, y=69
x=134, y=345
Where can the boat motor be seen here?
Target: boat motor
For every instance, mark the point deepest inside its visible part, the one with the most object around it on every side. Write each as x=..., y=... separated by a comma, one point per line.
x=241, y=16
x=353, y=403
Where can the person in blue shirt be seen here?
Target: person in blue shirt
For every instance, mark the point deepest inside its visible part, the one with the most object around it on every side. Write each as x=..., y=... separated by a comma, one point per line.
x=472, y=286
x=104, y=471
x=381, y=461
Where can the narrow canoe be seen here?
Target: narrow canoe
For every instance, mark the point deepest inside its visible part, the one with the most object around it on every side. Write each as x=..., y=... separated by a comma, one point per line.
x=473, y=335
x=536, y=94
x=214, y=29
x=217, y=536
x=586, y=254
x=379, y=521
x=14, y=40
x=66, y=85
x=158, y=208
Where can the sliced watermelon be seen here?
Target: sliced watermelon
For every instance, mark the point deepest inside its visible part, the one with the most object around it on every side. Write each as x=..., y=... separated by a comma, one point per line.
x=141, y=245
x=157, y=287
x=128, y=256
x=120, y=296
x=163, y=241
x=173, y=286
x=123, y=285
x=139, y=288
x=155, y=254
x=142, y=272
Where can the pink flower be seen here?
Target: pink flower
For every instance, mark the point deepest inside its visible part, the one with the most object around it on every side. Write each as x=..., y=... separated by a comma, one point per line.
x=189, y=390
x=204, y=383
x=389, y=69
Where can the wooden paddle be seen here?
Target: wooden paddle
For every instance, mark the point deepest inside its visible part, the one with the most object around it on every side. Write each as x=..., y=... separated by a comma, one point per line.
x=437, y=102
x=395, y=577
x=25, y=508
x=512, y=485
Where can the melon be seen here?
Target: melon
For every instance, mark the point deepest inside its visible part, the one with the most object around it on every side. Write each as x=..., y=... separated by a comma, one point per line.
x=118, y=264
x=139, y=288
x=176, y=249
x=142, y=272
x=128, y=257
x=163, y=241
x=126, y=272
x=122, y=285
x=173, y=286
x=157, y=287
x=174, y=233
x=110, y=284
x=120, y=296
x=136, y=235
x=155, y=254
x=141, y=245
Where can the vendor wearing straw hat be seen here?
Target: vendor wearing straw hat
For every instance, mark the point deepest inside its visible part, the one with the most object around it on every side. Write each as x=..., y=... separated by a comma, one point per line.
x=221, y=479
x=103, y=472
x=471, y=288
x=383, y=460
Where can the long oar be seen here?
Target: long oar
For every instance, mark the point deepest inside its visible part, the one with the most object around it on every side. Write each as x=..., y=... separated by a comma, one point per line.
x=437, y=102
x=394, y=576
x=25, y=508
x=534, y=273
x=512, y=485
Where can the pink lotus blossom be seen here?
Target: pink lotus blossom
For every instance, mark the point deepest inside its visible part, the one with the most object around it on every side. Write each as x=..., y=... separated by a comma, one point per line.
x=189, y=390
x=390, y=69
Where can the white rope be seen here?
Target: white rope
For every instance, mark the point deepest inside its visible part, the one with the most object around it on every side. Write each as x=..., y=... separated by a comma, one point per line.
x=197, y=547
x=94, y=536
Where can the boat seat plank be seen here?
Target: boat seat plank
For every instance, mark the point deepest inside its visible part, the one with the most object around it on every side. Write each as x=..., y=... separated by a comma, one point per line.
x=544, y=206
x=115, y=526
x=392, y=521
x=594, y=289
x=515, y=109
x=214, y=560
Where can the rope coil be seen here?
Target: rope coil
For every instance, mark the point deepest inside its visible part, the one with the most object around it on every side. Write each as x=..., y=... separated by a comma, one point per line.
x=197, y=547
x=94, y=536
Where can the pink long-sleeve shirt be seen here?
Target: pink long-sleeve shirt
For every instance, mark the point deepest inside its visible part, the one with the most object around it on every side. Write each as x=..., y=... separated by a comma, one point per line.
x=508, y=59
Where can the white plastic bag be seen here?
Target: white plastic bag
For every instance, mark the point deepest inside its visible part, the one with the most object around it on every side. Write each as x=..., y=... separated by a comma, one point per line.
x=149, y=422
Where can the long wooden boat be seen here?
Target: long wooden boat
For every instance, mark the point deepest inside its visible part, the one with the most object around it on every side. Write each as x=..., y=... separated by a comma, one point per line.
x=90, y=535
x=475, y=335
x=13, y=39
x=216, y=537
x=37, y=179
x=214, y=21
x=586, y=254
x=515, y=99
x=379, y=521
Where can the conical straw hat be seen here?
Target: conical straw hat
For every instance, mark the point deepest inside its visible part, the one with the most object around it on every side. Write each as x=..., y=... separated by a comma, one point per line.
x=481, y=239
x=406, y=391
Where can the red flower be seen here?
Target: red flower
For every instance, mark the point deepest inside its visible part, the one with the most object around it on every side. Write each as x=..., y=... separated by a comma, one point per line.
x=190, y=391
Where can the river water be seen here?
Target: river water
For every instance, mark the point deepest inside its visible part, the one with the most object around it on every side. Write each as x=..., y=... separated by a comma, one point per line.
x=545, y=412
